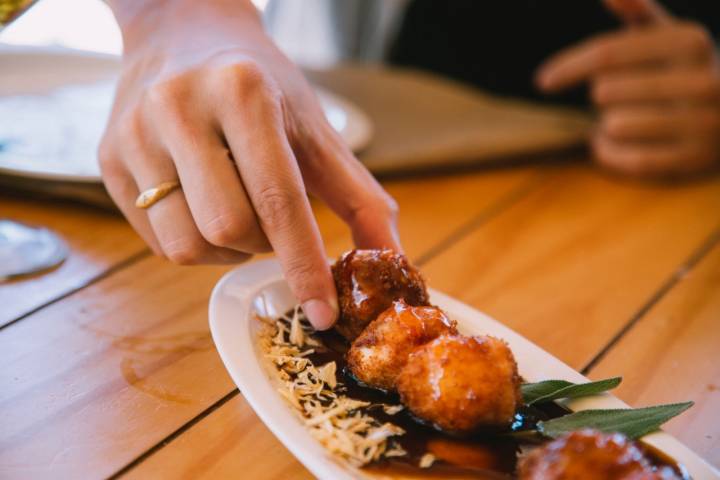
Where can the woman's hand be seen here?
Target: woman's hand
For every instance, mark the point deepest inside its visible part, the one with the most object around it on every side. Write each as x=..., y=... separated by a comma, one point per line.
x=656, y=86
x=205, y=98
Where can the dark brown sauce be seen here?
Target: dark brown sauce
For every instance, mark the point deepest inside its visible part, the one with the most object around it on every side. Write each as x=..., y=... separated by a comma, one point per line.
x=489, y=454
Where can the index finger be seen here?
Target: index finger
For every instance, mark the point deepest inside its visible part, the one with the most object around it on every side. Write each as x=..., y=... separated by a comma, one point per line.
x=634, y=47
x=274, y=185
x=638, y=12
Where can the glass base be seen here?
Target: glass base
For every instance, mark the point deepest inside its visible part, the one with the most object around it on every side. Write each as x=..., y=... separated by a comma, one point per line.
x=25, y=250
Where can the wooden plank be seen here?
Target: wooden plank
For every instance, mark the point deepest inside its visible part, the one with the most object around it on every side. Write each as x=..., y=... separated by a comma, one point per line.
x=97, y=239
x=671, y=355
x=230, y=441
x=569, y=264
x=96, y=379
x=432, y=208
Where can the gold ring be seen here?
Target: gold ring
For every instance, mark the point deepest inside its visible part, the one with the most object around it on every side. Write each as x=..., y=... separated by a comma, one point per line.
x=151, y=196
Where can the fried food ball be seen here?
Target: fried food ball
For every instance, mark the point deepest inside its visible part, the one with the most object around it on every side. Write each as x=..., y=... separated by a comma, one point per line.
x=461, y=384
x=382, y=349
x=590, y=455
x=367, y=283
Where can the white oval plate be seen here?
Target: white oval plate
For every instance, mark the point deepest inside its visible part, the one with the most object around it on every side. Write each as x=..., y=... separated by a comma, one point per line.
x=259, y=288
x=54, y=104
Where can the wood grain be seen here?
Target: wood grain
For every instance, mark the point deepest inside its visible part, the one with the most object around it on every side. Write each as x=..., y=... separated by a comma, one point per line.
x=569, y=264
x=97, y=239
x=93, y=381
x=229, y=441
x=433, y=208
x=671, y=355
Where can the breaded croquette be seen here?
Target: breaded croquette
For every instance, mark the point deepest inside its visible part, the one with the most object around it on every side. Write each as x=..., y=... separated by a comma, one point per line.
x=461, y=384
x=368, y=282
x=382, y=349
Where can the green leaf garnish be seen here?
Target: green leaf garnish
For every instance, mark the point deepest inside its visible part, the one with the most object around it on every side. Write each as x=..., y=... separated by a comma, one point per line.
x=632, y=422
x=555, y=389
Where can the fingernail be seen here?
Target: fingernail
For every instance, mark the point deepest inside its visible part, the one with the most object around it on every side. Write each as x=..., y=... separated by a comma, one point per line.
x=320, y=313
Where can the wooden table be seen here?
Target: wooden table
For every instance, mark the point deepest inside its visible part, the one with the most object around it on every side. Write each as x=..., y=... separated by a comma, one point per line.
x=108, y=368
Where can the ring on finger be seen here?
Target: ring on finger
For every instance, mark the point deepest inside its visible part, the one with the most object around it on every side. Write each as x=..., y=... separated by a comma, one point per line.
x=151, y=196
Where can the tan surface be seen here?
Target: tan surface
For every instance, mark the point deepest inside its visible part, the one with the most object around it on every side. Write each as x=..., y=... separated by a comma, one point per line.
x=232, y=439
x=425, y=122
x=672, y=355
x=569, y=264
x=94, y=383
x=135, y=351
x=99, y=242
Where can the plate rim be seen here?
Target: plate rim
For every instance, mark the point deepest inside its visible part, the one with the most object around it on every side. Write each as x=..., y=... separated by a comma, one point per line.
x=250, y=279
x=357, y=137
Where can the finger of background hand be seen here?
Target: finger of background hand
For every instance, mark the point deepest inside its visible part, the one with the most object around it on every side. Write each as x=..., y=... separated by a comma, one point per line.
x=334, y=175
x=637, y=47
x=650, y=159
x=122, y=189
x=211, y=184
x=639, y=12
x=253, y=125
x=659, y=122
x=657, y=85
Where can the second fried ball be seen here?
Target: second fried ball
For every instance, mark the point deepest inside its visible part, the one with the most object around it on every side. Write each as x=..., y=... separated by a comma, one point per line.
x=382, y=349
x=461, y=384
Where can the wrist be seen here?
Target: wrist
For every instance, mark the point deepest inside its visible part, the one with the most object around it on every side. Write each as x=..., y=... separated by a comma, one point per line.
x=145, y=22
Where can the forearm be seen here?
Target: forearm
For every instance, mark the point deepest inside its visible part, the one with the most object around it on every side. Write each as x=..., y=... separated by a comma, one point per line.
x=170, y=20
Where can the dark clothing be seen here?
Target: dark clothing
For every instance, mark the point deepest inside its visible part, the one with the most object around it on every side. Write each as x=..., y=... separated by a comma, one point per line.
x=498, y=44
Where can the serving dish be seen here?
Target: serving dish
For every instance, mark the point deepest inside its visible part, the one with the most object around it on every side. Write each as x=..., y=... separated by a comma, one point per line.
x=258, y=288
x=54, y=104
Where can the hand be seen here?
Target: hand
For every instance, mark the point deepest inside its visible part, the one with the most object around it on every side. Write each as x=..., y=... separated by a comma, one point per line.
x=206, y=98
x=656, y=86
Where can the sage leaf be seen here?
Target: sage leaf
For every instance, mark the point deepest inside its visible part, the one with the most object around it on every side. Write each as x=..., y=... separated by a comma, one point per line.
x=632, y=422
x=555, y=389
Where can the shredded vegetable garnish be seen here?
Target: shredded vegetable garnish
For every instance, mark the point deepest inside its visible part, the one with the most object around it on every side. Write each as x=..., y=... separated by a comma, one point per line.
x=427, y=460
x=337, y=421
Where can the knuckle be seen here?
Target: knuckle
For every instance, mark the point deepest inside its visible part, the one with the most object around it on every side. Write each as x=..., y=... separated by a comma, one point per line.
x=275, y=203
x=708, y=86
x=601, y=53
x=613, y=125
x=185, y=250
x=166, y=95
x=387, y=205
x=130, y=127
x=245, y=80
x=300, y=271
x=600, y=92
x=696, y=38
x=107, y=157
x=226, y=230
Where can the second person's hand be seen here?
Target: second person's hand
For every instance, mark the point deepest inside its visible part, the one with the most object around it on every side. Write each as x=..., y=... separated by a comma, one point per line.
x=206, y=99
x=656, y=86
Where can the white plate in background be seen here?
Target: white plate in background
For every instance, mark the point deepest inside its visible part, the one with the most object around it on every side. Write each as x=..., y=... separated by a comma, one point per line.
x=259, y=287
x=54, y=104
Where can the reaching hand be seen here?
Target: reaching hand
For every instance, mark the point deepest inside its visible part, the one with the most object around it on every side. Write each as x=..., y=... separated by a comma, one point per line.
x=205, y=98
x=656, y=85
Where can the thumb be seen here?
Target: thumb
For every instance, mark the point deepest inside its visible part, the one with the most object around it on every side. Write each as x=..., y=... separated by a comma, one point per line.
x=638, y=12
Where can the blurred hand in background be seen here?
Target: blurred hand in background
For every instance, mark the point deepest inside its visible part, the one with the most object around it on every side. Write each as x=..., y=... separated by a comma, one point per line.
x=656, y=85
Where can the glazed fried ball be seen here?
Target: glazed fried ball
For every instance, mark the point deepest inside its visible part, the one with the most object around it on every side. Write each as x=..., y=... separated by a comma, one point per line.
x=461, y=384
x=382, y=349
x=367, y=283
x=590, y=455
